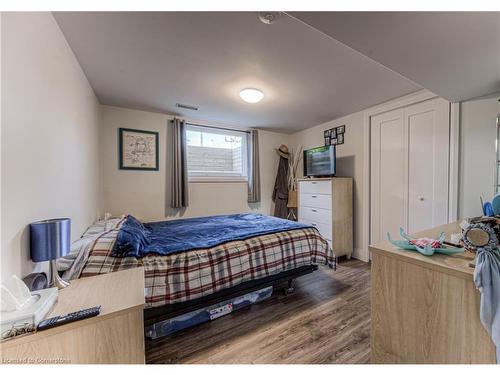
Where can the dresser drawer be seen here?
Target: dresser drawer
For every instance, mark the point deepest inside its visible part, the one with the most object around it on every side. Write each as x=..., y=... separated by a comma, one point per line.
x=315, y=187
x=315, y=215
x=324, y=229
x=316, y=200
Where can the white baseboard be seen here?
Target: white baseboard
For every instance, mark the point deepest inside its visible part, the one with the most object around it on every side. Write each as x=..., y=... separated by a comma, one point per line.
x=361, y=254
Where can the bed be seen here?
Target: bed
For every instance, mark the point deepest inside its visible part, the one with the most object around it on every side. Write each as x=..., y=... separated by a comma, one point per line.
x=189, y=278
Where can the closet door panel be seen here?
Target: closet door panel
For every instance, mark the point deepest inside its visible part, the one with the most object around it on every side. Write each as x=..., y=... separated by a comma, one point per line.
x=428, y=164
x=388, y=174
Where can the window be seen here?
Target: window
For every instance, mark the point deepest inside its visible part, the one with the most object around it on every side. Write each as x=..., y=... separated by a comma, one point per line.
x=216, y=154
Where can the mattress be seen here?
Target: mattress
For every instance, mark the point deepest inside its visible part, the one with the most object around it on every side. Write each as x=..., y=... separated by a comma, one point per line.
x=193, y=274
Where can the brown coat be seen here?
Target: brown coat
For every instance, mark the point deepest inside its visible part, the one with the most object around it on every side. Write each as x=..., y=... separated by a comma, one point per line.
x=280, y=193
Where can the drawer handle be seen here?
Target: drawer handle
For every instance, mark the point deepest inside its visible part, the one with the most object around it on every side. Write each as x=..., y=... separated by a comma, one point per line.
x=313, y=182
x=313, y=210
x=314, y=196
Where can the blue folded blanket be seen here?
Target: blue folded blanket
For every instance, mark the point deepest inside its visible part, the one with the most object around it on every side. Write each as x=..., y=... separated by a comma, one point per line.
x=174, y=236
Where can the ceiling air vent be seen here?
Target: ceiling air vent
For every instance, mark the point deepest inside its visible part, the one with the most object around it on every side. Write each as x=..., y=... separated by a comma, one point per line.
x=186, y=106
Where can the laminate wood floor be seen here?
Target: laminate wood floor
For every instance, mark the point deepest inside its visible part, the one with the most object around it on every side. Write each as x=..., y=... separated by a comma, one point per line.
x=326, y=320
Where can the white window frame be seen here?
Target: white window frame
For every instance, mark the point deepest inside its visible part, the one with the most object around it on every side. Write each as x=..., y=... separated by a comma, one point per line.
x=219, y=177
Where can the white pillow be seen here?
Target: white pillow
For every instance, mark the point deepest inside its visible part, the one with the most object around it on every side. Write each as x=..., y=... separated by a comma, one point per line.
x=72, y=263
x=101, y=226
x=79, y=245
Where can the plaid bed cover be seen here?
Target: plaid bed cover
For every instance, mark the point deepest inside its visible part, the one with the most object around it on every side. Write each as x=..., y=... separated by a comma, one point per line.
x=197, y=273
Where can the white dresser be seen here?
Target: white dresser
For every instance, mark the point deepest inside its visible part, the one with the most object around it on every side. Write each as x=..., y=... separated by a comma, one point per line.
x=326, y=203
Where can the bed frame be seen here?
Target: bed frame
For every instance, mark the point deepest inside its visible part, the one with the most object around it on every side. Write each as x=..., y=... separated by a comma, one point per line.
x=157, y=314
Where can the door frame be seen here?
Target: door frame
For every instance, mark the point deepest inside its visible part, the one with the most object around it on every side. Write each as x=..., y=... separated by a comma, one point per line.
x=404, y=101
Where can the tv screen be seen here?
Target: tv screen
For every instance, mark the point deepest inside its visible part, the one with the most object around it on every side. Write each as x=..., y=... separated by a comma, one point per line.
x=319, y=161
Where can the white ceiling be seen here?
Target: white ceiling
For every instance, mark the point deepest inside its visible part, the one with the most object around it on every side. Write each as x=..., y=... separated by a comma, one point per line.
x=152, y=61
x=453, y=54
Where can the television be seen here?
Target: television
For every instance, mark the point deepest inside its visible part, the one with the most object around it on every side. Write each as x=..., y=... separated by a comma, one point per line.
x=319, y=161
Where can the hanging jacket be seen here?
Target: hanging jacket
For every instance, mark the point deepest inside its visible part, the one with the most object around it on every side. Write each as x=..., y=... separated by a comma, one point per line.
x=280, y=193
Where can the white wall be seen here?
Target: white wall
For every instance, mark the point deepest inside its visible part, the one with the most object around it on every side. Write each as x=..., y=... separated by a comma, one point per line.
x=145, y=193
x=49, y=144
x=349, y=161
x=477, y=154
x=1, y=121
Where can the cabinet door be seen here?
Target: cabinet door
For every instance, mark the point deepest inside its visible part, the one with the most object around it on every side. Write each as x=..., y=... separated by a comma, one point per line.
x=428, y=164
x=388, y=174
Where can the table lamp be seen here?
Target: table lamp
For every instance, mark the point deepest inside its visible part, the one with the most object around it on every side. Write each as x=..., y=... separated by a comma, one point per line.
x=51, y=239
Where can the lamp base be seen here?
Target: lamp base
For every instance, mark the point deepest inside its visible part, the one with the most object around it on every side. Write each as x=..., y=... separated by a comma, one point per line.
x=54, y=280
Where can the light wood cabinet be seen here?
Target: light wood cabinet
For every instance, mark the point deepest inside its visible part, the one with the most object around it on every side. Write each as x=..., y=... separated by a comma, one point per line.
x=426, y=309
x=326, y=203
x=115, y=336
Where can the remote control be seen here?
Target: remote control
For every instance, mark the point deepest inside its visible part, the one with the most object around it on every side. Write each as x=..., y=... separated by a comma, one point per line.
x=72, y=317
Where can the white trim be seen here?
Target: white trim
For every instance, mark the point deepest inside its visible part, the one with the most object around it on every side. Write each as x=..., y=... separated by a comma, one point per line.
x=361, y=255
x=454, y=162
x=366, y=185
x=215, y=124
x=215, y=179
x=215, y=129
x=416, y=97
x=403, y=101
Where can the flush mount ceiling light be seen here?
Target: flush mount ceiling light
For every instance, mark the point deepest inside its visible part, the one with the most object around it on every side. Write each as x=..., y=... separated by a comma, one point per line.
x=251, y=95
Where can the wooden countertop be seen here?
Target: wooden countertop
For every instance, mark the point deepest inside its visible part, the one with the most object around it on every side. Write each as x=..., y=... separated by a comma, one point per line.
x=116, y=292
x=457, y=264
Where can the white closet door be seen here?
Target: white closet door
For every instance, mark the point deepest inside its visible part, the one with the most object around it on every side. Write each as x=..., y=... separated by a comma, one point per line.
x=388, y=174
x=409, y=169
x=428, y=163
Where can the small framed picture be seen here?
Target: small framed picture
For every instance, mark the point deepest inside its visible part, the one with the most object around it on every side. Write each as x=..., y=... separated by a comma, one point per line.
x=333, y=141
x=327, y=141
x=138, y=149
x=333, y=133
x=327, y=133
x=340, y=139
x=340, y=129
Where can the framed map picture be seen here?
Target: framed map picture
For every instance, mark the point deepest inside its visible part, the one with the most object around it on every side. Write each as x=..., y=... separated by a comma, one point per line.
x=138, y=149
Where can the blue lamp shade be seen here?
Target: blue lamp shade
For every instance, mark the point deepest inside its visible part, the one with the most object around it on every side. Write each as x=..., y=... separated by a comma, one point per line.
x=50, y=239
